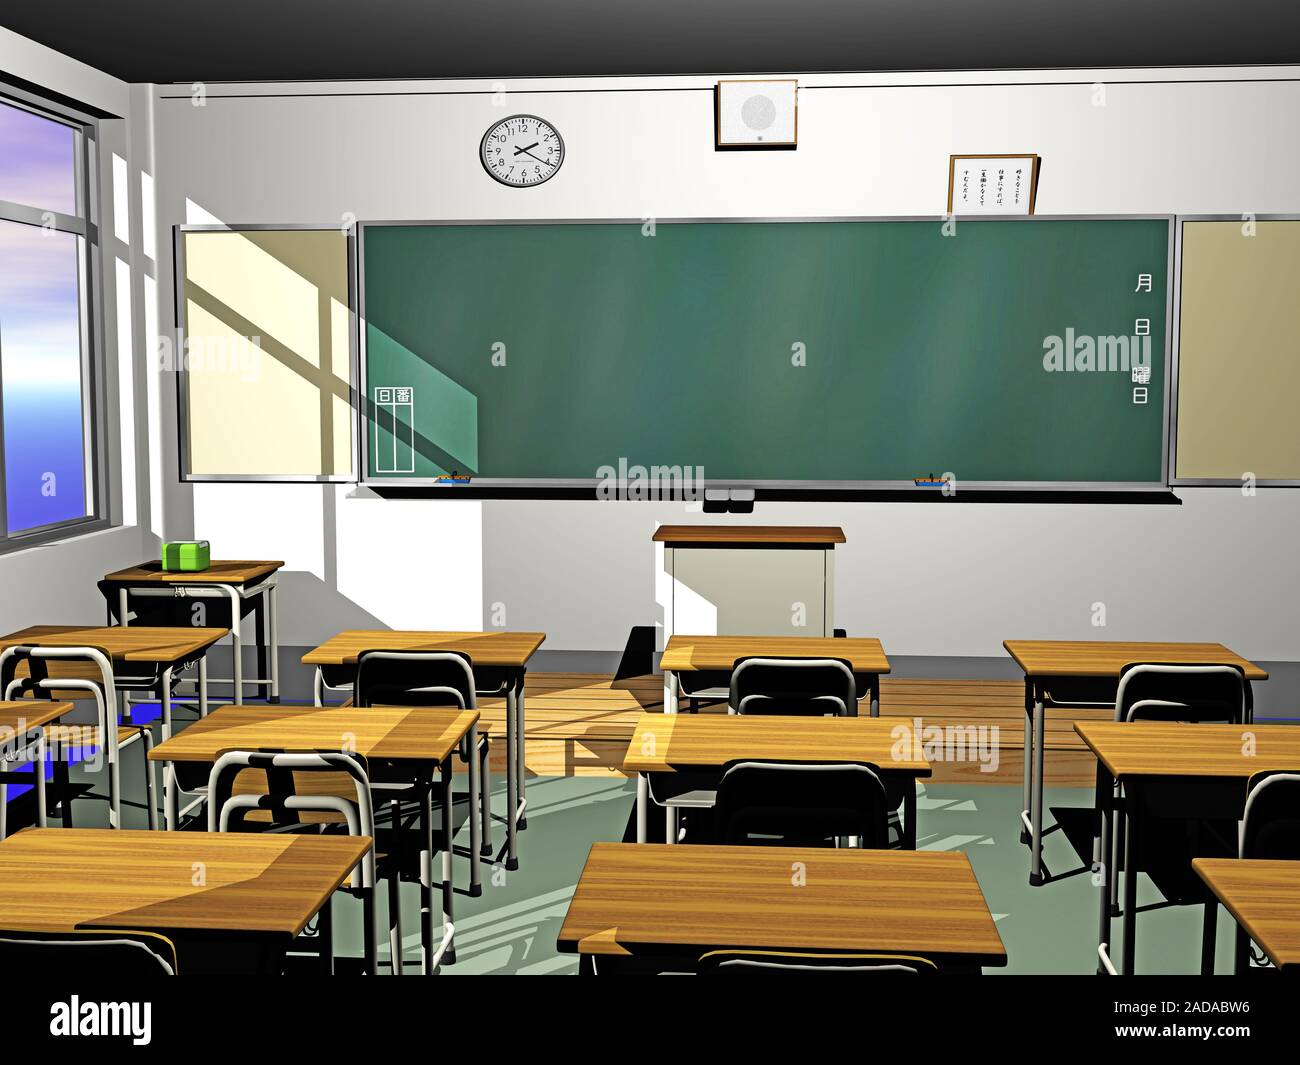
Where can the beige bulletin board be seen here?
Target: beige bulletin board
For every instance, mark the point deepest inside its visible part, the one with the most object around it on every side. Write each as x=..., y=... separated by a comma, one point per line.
x=266, y=383
x=1238, y=383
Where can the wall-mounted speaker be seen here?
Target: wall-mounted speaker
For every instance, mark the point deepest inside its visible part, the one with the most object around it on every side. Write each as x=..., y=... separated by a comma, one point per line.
x=757, y=113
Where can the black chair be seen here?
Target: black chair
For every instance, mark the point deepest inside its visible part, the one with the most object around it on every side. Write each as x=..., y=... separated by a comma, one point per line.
x=431, y=678
x=793, y=686
x=277, y=791
x=1270, y=830
x=801, y=804
x=98, y=953
x=1155, y=691
x=790, y=963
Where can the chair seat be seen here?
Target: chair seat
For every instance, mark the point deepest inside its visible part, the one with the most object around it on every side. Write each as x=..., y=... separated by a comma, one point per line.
x=692, y=800
x=89, y=735
x=340, y=785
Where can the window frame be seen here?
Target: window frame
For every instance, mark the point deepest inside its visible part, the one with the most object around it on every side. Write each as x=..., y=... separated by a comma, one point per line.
x=85, y=225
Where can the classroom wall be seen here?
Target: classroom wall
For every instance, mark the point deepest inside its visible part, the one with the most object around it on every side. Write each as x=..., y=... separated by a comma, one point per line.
x=936, y=580
x=56, y=582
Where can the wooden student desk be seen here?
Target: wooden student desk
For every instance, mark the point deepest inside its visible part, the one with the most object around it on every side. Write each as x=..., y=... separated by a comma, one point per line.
x=1212, y=756
x=681, y=902
x=716, y=656
x=254, y=895
x=1264, y=898
x=671, y=743
x=1085, y=673
x=236, y=581
x=416, y=738
x=22, y=738
x=500, y=661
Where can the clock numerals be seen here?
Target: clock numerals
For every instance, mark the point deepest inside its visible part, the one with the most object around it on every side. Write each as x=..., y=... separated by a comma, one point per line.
x=522, y=150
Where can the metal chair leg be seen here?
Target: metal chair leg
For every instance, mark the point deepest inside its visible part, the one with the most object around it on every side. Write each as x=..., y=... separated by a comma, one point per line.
x=485, y=795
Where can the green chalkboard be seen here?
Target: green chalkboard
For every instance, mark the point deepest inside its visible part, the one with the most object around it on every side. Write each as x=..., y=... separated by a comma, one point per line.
x=841, y=352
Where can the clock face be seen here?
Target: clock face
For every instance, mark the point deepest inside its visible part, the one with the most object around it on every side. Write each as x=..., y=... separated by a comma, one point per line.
x=522, y=150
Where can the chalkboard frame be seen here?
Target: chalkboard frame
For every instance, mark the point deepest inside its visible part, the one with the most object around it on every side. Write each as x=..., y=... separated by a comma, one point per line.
x=525, y=487
x=1174, y=332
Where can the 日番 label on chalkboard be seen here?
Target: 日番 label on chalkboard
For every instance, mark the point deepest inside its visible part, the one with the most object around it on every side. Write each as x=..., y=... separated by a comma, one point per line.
x=394, y=430
x=992, y=184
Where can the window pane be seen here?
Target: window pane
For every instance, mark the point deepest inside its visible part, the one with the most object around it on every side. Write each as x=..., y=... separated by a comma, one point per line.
x=40, y=369
x=37, y=161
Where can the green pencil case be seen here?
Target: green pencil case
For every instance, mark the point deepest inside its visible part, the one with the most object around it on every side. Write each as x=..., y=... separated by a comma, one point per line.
x=186, y=556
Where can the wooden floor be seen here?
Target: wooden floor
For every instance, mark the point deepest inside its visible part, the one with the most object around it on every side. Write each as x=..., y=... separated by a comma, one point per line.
x=579, y=724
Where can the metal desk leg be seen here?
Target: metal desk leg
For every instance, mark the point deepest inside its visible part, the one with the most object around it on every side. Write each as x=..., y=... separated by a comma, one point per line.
x=203, y=685
x=1029, y=761
x=170, y=803
x=269, y=598
x=1104, y=802
x=236, y=647
x=318, y=687
x=670, y=824
x=512, y=782
x=122, y=607
x=909, y=816
x=38, y=771
x=1036, y=805
x=642, y=807
x=521, y=743
x=1130, y=888
x=875, y=695
x=670, y=692
x=426, y=879
x=448, y=830
x=475, y=825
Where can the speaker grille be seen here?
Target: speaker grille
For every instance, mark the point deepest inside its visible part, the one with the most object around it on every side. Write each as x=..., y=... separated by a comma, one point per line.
x=758, y=112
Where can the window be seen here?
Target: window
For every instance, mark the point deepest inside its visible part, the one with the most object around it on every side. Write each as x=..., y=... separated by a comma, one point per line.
x=46, y=246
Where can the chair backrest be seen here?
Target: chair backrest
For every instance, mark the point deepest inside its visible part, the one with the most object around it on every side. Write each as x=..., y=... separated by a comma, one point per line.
x=101, y=952
x=1156, y=691
x=801, y=803
x=793, y=686
x=283, y=799
x=38, y=681
x=414, y=678
x=789, y=963
x=1270, y=827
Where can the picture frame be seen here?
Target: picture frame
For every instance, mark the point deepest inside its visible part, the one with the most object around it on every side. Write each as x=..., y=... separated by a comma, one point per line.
x=969, y=178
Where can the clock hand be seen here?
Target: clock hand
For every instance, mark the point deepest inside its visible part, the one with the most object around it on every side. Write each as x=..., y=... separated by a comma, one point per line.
x=521, y=151
x=538, y=158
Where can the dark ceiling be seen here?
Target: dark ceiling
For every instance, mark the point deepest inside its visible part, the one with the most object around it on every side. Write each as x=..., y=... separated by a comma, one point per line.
x=276, y=40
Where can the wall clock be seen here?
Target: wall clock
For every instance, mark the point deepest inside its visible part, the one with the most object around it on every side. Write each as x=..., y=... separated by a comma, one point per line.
x=522, y=150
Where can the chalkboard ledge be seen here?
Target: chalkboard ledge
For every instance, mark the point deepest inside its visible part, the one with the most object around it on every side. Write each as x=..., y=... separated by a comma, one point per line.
x=1155, y=497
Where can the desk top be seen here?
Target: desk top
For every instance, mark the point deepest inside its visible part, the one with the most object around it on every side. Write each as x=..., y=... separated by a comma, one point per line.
x=686, y=900
x=750, y=535
x=1264, y=897
x=227, y=571
x=19, y=715
x=62, y=879
x=1175, y=749
x=397, y=734
x=133, y=643
x=720, y=652
x=665, y=742
x=1106, y=658
x=504, y=649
